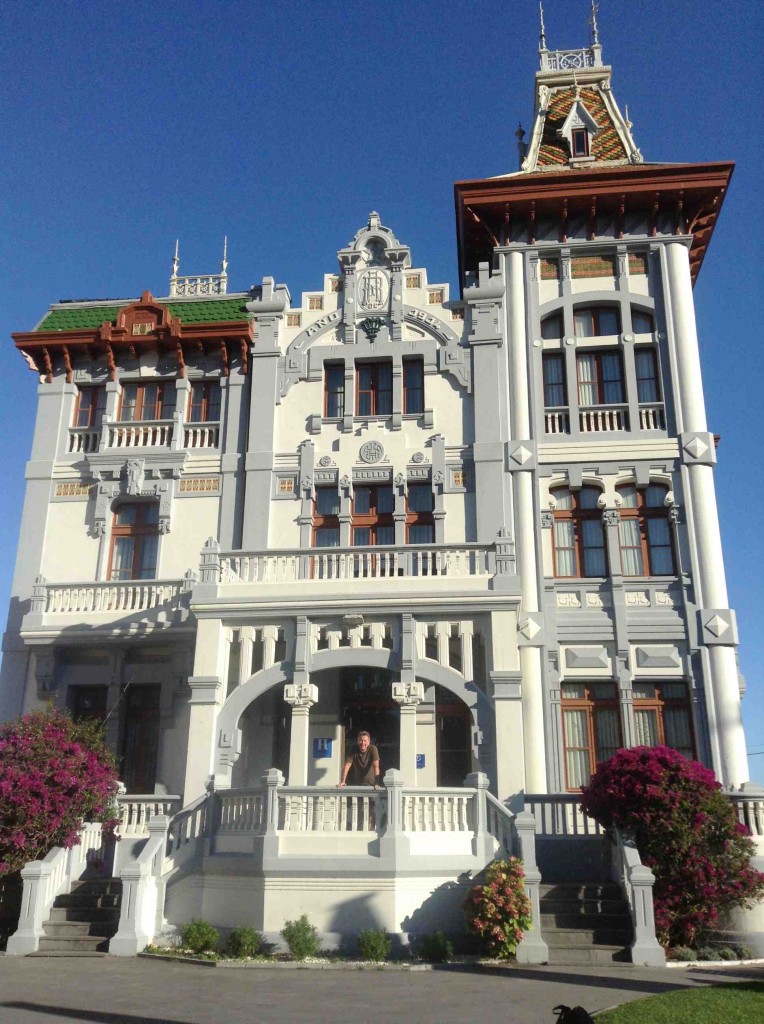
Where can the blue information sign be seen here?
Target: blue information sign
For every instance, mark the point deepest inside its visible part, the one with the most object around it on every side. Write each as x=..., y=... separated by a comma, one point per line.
x=420, y=760
x=322, y=747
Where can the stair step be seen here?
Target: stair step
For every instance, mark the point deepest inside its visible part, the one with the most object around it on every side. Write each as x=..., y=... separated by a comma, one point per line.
x=97, y=885
x=78, y=929
x=88, y=899
x=105, y=914
x=581, y=891
x=85, y=943
x=617, y=922
x=607, y=908
x=590, y=936
x=573, y=956
x=69, y=952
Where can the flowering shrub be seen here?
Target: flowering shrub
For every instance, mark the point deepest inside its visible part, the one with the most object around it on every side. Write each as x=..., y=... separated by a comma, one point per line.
x=686, y=831
x=54, y=775
x=499, y=911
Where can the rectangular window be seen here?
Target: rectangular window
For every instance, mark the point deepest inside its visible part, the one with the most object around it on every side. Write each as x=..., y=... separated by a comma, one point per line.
x=647, y=375
x=147, y=402
x=327, y=501
x=135, y=542
x=374, y=389
x=204, y=402
x=334, y=390
x=580, y=142
x=642, y=323
x=596, y=321
x=326, y=525
x=413, y=387
x=551, y=328
x=420, y=526
x=662, y=716
x=372, y=521
x=91, y=405
x=600, y=378
x=555, y=391
x=591, y=728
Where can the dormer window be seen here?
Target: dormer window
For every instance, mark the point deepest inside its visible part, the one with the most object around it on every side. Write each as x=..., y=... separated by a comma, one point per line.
x=579, y=142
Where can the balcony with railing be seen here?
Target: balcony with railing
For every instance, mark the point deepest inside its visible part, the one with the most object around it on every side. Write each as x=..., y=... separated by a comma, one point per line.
x=600, y=419
x=172, y=434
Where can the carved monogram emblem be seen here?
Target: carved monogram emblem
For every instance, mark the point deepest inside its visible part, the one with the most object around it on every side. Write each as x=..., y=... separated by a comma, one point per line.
x=371, y=451
x=373, y=289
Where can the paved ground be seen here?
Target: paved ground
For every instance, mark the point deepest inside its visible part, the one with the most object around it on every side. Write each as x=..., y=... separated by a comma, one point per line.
x=131, y=991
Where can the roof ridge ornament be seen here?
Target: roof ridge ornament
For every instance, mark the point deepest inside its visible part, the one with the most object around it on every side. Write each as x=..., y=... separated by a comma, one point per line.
x=593, y=24
x=542, y=27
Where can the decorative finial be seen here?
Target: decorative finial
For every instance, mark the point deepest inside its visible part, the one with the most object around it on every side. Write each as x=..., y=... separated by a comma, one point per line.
x=175, y=260
x=629, y=123
x=576, y=86
x=542, y=35
x=593, y=23
x=224, y=263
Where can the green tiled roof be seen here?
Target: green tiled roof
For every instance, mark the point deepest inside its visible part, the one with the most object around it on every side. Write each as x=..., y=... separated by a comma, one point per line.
x=83, y=317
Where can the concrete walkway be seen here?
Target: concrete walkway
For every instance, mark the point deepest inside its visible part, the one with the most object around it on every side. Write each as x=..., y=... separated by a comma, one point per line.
x=131, y=991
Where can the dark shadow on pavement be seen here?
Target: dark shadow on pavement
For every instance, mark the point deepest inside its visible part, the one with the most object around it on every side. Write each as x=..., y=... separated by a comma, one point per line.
x=96, y=1016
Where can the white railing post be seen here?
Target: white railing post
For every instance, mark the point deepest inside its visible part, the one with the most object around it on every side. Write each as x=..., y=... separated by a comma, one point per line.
x=637, y=881
x=209, y=566
x=532, y=949
x=142, y=893
x=393, y=842
x=273, y=780
x=482, y=842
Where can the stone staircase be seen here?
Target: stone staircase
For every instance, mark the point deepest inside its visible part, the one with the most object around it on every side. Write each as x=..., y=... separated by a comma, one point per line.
x=585, y=923
x=82, y=921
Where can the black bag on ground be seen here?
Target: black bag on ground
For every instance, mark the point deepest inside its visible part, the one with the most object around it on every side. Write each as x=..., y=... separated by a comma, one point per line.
x=572, y=1015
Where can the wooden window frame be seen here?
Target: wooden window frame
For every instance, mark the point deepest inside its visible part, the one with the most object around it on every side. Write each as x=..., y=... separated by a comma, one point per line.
x=139, y=530
x=599, y=380
x=373, y=520
x=92, y=415
x=656, y=377
x=659, y=703
x=596, y=314
x=160, y=404
x=591, y=705
x=205, y=397
x=412, y=407
x=576, y=135
x=642, y=514
x=323, y=521
x=577, y=516
x=334, y=372
x=374, y=391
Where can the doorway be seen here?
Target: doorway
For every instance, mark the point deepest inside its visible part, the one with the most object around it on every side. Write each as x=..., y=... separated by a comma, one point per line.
x=453, y=726
x=140, y=738
x=367, y=705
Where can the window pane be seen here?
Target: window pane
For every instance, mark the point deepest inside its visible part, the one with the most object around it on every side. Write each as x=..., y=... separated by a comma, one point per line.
x=612, y=380
x=384, y=389
x=655, y=496
x=608, y=321
x=146, y=568
x=646, y=727
x=632, y=562
x=420, y=498
x=607, y=727
x=628, y=496
x=213, y=402
x=420, y=533
x=362, y=501
x=150, y=410
x=587, y=381
x=327, y=537
x=149, y=514
x=554, y=380
x=166, y=396
x=126, y=515
x=588, y=497
x=122, y=558
x=563, y=499
x=643, y=691
x=594, y=547
x=327, y=501
x=129, y=398
x=577, y=747
x=335, y=391
x=641, y=322
x=362, y=535
x=659, y=543
x=551, y=328
x=647, y=381
x=413, y=385
x=676, y=723
x=584, y=323
x=385, y=500
x=385, y=535
x=565, y=556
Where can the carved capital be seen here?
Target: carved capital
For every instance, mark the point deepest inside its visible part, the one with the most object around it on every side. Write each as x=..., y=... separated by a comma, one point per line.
x=408, y=694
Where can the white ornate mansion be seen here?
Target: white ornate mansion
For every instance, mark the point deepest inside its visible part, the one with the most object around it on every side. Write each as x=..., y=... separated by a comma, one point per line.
x=480, y=526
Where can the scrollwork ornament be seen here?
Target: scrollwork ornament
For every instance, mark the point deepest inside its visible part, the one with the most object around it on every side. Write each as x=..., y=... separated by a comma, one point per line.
x=417, y=457
x=611, y=517
x=547, y=520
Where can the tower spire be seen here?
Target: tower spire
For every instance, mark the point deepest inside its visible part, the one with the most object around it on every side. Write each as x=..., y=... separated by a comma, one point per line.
x=175, y=260
x=542, y=28
x=593, y=24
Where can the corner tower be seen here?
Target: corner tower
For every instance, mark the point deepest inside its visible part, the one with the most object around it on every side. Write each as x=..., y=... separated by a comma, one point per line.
x=629, y=636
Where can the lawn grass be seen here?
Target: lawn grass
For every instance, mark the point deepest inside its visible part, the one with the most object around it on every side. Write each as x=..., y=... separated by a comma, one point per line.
x=741, y=1003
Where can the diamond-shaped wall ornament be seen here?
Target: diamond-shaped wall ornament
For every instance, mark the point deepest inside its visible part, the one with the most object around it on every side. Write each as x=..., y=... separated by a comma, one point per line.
x=521, y=455
x=717, y=625
x=529, y=628
x=696, y=447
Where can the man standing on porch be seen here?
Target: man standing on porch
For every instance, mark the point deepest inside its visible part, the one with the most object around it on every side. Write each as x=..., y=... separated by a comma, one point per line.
x=362, y=764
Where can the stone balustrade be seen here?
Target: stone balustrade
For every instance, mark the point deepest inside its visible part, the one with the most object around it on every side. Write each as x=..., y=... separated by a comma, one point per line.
x=110, y=597
x=136, y=810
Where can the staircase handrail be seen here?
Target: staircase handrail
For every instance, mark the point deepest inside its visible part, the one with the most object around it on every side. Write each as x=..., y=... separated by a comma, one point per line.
x=637, y=881
x=500, y=823
x=142, y=905
x=186, y=828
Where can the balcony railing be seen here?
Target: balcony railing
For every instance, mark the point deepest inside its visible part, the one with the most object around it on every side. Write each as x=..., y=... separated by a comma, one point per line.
x=652, y=417
x=201, y=435
x=463, y=561
x=556, y=421
x=595, y=419
x=83, y=440
x=602, y=418
x=108, y=598
x=143, y=434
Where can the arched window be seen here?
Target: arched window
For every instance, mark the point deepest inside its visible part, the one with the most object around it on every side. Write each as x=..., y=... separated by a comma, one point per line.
x=578, y=540
x=551, y=327
x=134, y=542
x=596, y=321
x=644, y=532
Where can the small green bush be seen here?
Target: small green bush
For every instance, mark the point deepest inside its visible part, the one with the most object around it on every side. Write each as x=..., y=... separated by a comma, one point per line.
x=243, y=942
x=708, y=953
x=499, y=911
x=301, y=938
x=725, y=953
x=374, y=945
x=199, y=936
x=744, y=952
x=435, y=948
x=684, y=953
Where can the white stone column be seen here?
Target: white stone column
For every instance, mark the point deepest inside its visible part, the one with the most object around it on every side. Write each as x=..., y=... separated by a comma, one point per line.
x=408, y=696
x=718, y=631
x=301, y=697
x=525, y=539
x=206, y=695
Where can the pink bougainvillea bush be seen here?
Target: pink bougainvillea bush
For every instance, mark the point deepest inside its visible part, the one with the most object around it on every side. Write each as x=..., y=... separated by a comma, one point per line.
x=54, y=775
x=499, y=911
x=686, y=831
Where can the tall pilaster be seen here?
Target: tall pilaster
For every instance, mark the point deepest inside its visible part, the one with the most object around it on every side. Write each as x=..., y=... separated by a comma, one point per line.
x=717, y=626
x=301, y=697
x=522, y=462
x=408, y=696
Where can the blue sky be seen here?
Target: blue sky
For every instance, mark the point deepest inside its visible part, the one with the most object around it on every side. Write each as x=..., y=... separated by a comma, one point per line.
x=282, y=124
